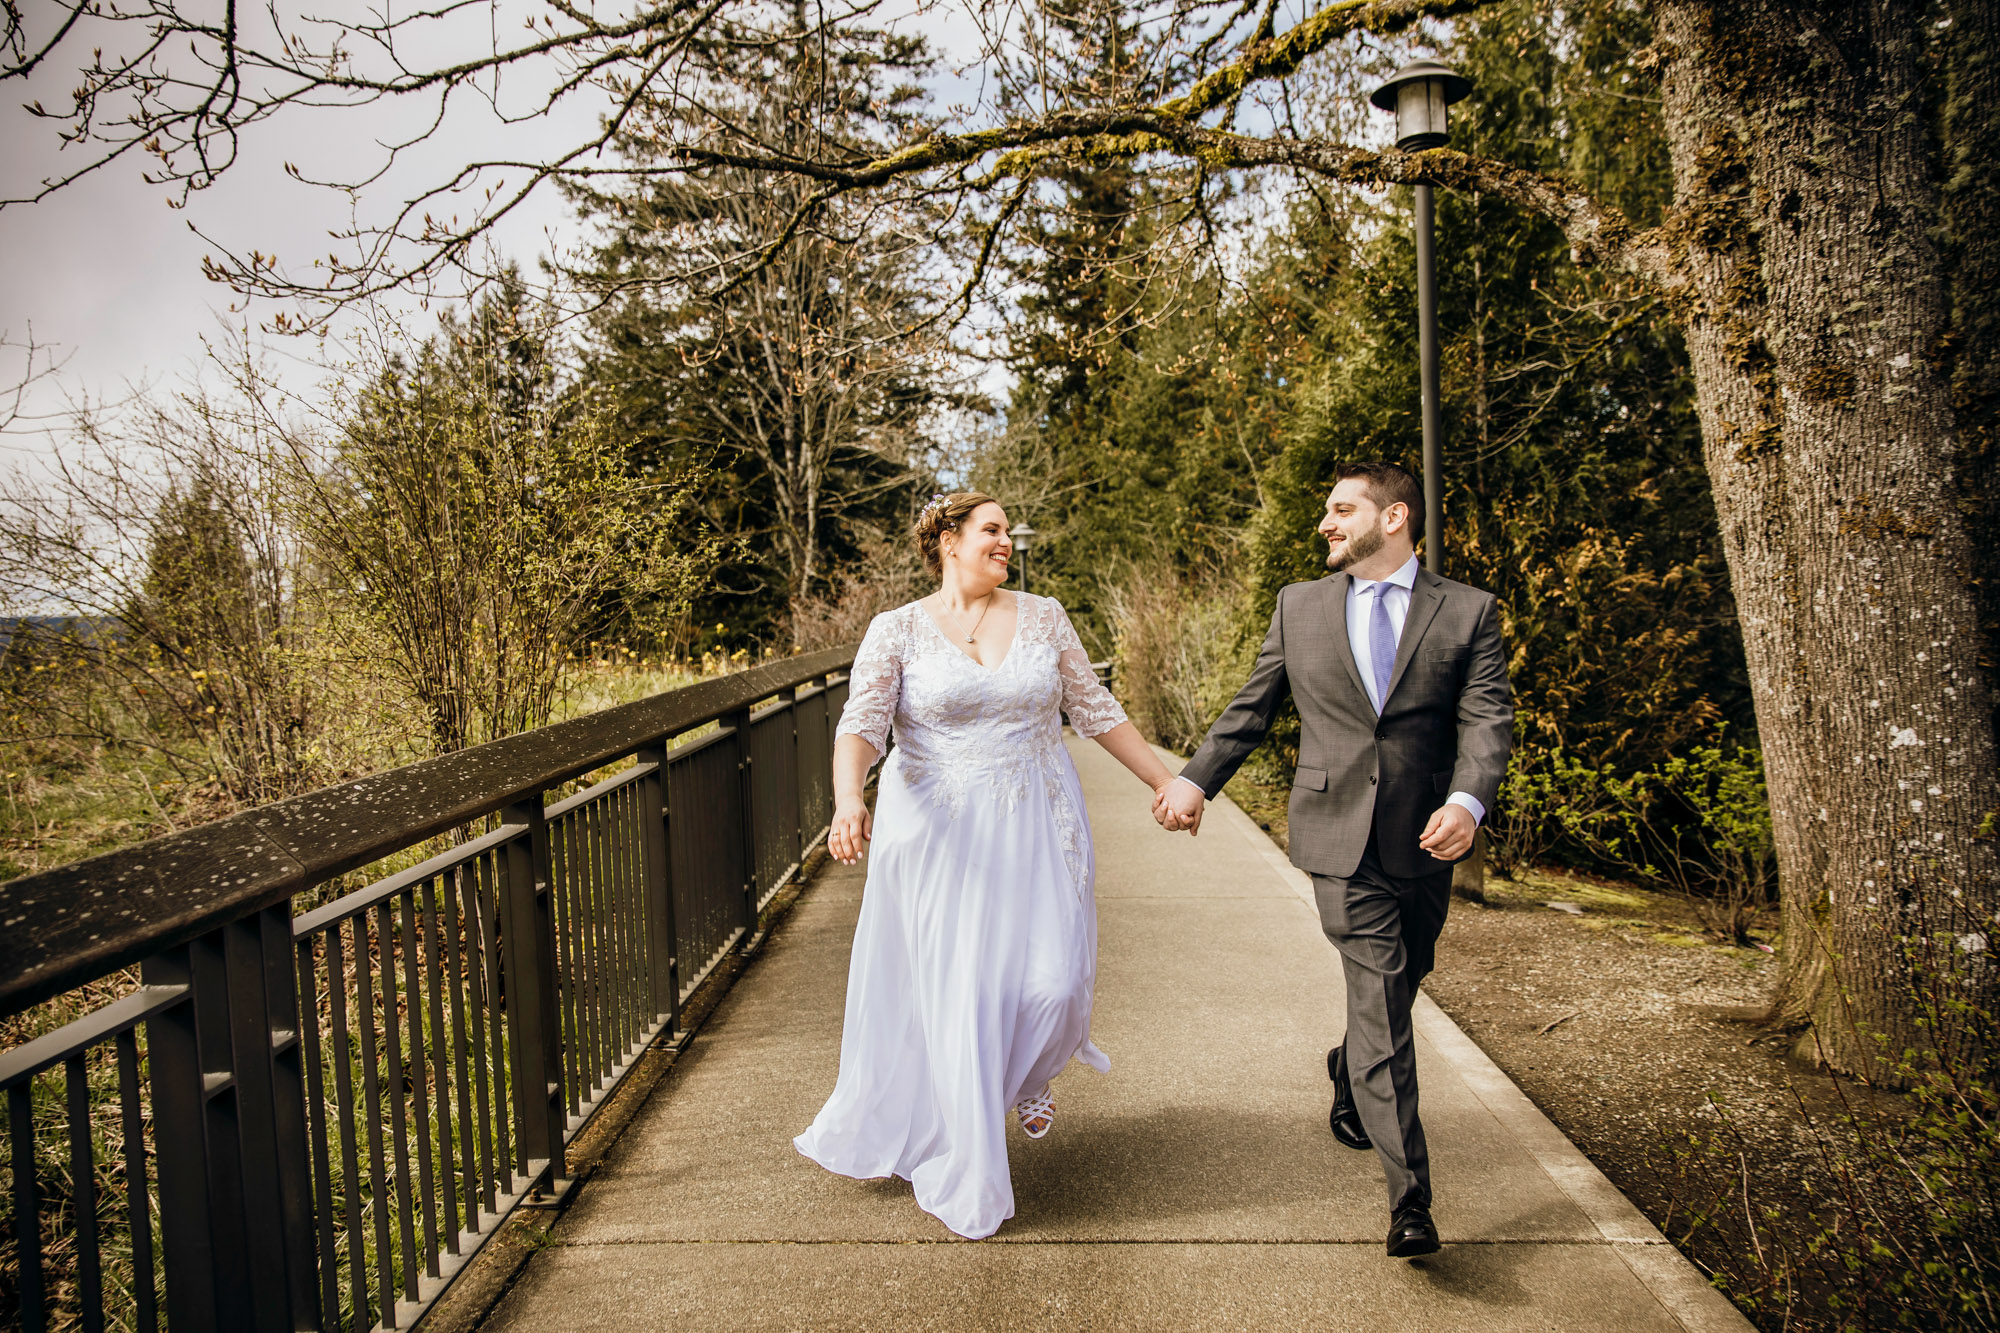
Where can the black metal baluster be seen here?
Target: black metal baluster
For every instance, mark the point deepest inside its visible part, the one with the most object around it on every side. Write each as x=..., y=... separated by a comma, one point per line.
x=592, y=882
x=329, y=1271
x=440, y=1053
x=529, y=939
x=180, y=1113
x=27, y=1207
x=454, y=943
x=478, y=925
x=663, y=964
x=343, y=1056
x=621, y=921
x=138, y=1197
x=641, y=907
x=743, y=800
x=275, y=1104
x=563, y=867
x=397, y=1080
x=581, y=1057
x=498, y=999
x=420, y=1102
x=83, y=1194
x=365, y=968
x=605, y=882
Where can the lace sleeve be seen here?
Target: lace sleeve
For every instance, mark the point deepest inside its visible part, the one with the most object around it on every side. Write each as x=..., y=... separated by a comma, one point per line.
x=874, y=685
x=1092, y=710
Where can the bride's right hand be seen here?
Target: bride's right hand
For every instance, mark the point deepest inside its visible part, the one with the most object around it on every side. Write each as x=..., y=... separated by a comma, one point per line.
x=853, y=828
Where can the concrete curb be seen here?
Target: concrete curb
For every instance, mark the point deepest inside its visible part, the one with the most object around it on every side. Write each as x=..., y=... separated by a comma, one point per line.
x=1661, y=1269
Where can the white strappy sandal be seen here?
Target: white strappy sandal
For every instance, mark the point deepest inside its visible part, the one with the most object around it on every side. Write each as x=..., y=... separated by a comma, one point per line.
x=1036, y=1110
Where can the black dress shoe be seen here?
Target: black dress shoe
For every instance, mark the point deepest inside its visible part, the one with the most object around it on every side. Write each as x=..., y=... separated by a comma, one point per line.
x=1343, y=1119
x=1412, y=1233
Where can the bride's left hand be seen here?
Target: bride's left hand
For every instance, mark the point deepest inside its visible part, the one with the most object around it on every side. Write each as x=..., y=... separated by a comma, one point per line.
x=853, y=828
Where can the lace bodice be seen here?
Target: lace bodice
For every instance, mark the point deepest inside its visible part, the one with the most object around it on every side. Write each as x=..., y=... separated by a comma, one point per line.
x=954, y=719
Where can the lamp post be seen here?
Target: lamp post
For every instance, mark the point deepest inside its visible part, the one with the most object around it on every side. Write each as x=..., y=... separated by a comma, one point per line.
x=1023, y=537
x=1418, y=94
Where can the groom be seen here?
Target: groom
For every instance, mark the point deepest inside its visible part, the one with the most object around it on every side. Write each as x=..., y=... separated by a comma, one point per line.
x=1407, y=716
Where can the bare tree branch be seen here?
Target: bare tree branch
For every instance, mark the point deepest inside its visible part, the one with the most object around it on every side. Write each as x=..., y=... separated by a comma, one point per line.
x=184, y=89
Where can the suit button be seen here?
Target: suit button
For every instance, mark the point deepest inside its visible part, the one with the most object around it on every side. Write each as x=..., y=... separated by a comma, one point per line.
x=1380, y=736
x=1371, y=779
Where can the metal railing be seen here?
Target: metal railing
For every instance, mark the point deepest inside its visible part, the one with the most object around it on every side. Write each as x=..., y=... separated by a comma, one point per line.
x=316, y=1121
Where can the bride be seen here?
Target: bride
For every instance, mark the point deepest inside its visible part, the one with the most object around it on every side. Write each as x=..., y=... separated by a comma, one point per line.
x=976, y=952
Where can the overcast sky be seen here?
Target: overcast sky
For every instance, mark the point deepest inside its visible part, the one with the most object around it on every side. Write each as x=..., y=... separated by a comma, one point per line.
x=111, y=276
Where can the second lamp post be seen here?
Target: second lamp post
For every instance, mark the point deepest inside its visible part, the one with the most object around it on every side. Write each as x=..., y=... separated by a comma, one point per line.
x=1023, y=537
x=1418, y=94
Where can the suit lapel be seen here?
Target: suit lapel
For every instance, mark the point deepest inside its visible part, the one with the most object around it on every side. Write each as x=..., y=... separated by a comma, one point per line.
x=1334, y=604
x=1425, y=598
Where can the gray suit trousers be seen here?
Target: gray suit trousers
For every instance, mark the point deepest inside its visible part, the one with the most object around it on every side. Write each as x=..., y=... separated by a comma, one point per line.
x=1386, y=929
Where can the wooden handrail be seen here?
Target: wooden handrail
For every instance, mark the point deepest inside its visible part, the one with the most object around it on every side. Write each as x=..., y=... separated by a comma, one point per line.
x=64, y=927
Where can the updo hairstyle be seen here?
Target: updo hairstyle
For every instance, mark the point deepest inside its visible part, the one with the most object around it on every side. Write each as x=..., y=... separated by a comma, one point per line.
x=944, y=513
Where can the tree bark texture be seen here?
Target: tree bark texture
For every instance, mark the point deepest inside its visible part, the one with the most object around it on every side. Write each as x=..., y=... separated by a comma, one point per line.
x=1816, y=303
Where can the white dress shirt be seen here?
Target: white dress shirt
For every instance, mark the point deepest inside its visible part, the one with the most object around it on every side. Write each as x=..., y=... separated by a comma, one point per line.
x=1398, y=600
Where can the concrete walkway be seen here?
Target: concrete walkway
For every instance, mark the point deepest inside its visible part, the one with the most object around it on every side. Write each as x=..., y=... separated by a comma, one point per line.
x=1193, y=1187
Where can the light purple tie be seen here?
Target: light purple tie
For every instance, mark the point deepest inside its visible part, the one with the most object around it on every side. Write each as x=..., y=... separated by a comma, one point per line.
x=1381, y=644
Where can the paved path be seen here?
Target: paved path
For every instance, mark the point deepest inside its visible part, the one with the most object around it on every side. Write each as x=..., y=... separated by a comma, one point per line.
x=1195, y=1186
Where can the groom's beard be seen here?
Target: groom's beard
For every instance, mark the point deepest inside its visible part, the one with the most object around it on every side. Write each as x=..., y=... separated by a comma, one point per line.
x=1356, y=548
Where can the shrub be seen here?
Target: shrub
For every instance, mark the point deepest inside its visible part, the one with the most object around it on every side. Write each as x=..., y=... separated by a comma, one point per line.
x=1700, y=823
x=184, y=630
x=1179, y=657
x=480, y=524
x=889, y=574
x=1549, y=801
x=1905, y=1228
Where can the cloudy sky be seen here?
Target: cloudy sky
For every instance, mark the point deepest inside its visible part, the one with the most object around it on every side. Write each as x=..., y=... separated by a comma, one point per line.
x=110, y=276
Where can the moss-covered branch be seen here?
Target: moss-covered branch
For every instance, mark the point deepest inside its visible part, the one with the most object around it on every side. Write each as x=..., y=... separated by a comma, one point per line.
x=1596, y=231
x=1277, y=58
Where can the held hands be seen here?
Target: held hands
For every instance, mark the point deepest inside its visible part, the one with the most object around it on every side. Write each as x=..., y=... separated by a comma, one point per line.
x=853, y=828
x=1449, y=834
x=1178, y=805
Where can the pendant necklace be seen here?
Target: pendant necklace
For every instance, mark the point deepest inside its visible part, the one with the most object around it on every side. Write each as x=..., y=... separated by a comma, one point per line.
x=975, y=624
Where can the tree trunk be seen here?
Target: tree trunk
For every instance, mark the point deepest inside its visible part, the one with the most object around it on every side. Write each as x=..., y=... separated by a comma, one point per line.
x=1815, y=301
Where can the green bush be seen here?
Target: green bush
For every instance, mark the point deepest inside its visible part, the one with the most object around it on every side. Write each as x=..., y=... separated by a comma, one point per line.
x=1902, y=1227
x=1700, y=823
x=1549, y=801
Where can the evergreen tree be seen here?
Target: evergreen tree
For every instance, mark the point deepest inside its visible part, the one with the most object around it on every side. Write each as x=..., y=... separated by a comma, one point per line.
x=806, y=383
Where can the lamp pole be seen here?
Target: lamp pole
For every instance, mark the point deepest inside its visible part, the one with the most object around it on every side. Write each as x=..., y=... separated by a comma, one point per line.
x=1023, y=537
x=1418, y=94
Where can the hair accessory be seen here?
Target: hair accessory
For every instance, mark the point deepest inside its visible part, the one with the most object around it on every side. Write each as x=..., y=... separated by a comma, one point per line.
x=937, y=502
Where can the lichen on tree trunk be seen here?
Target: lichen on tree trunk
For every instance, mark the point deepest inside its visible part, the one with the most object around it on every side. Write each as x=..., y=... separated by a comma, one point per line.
x=1816, y=303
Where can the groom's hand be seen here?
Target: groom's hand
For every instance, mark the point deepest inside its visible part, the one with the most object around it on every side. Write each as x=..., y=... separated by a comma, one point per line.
x=1449, y=834
x=1178, y=805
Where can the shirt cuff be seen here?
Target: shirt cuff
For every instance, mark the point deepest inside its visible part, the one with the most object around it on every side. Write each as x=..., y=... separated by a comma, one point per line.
x=1179, y=777
x=1470, y=802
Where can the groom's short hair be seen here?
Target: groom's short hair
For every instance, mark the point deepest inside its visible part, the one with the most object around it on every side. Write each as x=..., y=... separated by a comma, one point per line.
x=1390, y=484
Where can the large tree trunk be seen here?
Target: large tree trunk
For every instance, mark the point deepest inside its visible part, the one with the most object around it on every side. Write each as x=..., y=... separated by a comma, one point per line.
x=1815, y=302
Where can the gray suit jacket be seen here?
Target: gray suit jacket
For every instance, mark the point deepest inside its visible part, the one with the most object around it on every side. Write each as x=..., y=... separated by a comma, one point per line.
x=1448, y=724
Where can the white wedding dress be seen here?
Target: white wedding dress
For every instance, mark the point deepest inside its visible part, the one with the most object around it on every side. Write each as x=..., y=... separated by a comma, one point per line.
x=976, y=952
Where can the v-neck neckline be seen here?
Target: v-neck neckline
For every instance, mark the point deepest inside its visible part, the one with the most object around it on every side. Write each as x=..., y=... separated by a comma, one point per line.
x=938, y=629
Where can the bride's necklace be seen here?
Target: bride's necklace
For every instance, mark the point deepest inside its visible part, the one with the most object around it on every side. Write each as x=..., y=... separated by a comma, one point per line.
x=945, y=610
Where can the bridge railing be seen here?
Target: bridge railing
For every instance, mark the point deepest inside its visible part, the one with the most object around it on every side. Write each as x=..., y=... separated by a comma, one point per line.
x=314, y=1121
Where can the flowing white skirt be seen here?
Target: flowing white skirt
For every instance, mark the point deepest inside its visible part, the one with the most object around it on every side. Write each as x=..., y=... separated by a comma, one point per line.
x=970, y=986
